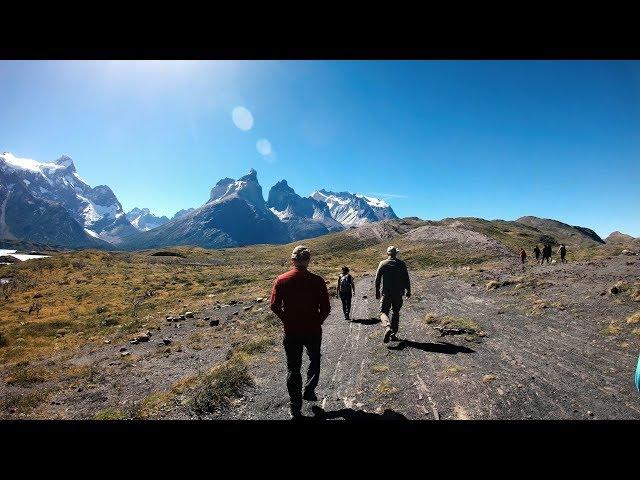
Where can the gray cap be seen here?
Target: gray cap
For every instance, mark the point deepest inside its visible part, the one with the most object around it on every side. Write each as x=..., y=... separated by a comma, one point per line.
x=301, y=253
x=392, y=250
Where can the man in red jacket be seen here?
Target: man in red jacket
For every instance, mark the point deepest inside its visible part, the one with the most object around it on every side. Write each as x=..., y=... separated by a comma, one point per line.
x=301, y=300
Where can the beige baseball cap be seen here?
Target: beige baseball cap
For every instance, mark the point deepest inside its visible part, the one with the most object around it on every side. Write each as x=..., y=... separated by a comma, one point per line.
x=392, y=250
x=301, y=253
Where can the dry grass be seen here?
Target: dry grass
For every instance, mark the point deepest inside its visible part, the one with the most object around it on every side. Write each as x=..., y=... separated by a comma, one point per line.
x=463, y=323
x=22, y=403
x=214, y=389
x=451, y=371
x=612, y=329
x=430, y=318
x=386, y=388
x=379, y=368
x=634, y=319
x=110, y=414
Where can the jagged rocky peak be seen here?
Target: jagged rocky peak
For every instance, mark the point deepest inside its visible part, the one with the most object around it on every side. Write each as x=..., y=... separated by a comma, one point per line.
x=220, y=189
x=143, y=220
x=66, y=162
x=281, y=195
x=246, y=187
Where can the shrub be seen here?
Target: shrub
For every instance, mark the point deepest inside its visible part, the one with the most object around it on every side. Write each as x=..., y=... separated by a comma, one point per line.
x=215, y=388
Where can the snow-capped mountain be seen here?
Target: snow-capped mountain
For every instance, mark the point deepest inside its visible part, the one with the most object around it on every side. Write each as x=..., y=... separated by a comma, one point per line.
x=142, y=219
x=236, y=214
x=353, y=209
x=304, y=217
x=96, y=210
x=49, y=203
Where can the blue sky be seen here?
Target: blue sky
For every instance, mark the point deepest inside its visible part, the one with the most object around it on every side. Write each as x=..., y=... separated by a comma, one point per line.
x=492, y=139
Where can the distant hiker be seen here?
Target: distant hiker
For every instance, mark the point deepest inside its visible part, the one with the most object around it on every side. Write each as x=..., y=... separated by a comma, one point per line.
x=523, y=257
x=301, y=300
x=563, y=253
x=546, y=253
x=346, y=288
x=536, y=252
x=395, y=283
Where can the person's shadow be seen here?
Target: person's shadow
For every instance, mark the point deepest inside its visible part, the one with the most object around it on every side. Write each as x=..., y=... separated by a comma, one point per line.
x=440, y=347
x=366, y=321
x=351, y=415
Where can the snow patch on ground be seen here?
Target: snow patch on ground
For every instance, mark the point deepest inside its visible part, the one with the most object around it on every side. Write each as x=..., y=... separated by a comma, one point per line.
x=282, y=215
x=92, y=233
x=93, y=212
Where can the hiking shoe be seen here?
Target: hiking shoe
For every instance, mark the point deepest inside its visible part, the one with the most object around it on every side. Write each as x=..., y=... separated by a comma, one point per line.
x=295, y=413
x=394, y=337
x=387, y=335
x=310, y=396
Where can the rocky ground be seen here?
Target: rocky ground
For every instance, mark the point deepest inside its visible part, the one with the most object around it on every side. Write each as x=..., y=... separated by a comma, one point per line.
x=551, y=342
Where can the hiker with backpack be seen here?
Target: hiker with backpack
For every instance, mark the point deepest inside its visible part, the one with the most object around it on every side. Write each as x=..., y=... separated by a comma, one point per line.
x=300, y=299
x=523, y=257
x=563, y=253
x=346, y=289
x=395, y=283
x=536, y=252
x=546, y=253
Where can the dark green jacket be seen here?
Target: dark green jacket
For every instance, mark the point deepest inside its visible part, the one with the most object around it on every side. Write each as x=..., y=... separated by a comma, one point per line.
x=395, y=277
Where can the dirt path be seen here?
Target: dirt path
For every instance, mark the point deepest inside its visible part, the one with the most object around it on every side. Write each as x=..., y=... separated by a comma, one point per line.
x=554, y=365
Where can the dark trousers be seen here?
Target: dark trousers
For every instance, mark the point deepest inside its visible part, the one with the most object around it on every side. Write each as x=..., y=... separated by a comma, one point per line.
x=293, y=346
x=387, y=303
x=346, y=303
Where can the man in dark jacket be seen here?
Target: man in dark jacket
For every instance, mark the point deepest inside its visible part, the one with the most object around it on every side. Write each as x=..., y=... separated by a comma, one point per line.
x=395, y=283
x=301, y=300
x=536, y=252
x=563, y=253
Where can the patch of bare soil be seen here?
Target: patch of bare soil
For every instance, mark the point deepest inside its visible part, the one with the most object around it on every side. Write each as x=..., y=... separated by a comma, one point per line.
x=458, y=238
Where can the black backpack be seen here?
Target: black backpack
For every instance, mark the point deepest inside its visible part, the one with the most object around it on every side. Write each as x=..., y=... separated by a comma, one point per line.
x=345, y=283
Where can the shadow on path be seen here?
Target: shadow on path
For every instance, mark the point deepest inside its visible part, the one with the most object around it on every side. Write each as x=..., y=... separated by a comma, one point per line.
x=366, y=321
x=351, y=415
x=440, y=347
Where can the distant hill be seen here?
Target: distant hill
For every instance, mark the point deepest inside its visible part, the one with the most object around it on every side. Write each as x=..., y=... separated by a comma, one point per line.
x=562, y=232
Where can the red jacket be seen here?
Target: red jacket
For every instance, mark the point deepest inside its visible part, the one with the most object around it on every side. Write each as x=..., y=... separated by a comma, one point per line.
x=301, y=300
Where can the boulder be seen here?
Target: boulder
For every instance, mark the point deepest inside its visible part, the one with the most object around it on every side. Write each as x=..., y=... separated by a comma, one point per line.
x=214, y=322
x=142, y=337
x=188, y=314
